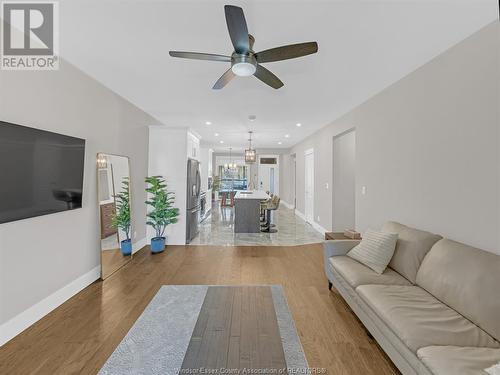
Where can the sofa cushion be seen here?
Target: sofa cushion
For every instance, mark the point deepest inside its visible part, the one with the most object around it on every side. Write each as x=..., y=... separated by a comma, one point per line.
x=454, y=360
x=466, y=279
x=357, y=274
x=420, y=320
x=411, y=248
x=375, y=250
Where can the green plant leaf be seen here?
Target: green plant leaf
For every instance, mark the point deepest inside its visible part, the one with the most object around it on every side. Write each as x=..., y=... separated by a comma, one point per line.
x=121, y=219
x=161, y=201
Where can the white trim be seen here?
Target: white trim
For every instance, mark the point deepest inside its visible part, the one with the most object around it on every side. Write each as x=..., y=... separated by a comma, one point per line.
x=195, y=134
x=314, y=224
x=20, y=322
x=136, y=246
x=287, y=205
x=319, y=228
x=300, y=215
x=277, y=181
x=309, y=151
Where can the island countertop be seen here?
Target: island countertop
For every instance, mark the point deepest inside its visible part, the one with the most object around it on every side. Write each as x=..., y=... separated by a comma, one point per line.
x=251, y=194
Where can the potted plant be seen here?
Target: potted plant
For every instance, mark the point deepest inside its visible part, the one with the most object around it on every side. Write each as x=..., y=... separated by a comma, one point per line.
x=162, y=212
x=216, y=182
x=121, y=220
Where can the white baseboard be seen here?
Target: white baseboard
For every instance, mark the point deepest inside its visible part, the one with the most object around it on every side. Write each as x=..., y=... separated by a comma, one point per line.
x=20, y=322
x=314, y=224
x=319, y=228
x=139, y=245
x=300, y=214
x=287, y=205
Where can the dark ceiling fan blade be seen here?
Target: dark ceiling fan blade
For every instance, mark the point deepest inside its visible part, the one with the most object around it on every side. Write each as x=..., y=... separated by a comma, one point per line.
x=267, y=77
x=200, y=56
x=237, y=27
x=287, y=52
x=224, y=79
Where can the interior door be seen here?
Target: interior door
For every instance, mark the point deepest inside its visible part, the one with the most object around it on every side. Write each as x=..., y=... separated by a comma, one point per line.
x=344, y=171
x=269, y=173
x=309, y=186
x=264, y=180
x=271, y=180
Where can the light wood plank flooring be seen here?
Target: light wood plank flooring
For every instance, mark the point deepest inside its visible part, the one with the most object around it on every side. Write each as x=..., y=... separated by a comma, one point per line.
x=81, y=334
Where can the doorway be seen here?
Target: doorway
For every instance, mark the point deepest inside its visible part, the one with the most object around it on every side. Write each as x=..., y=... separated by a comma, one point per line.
x=309, y=185
x=344, y=181
x=269, y=173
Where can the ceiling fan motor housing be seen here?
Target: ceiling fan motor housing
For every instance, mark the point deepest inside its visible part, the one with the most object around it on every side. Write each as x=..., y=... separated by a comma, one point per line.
x=243, y=65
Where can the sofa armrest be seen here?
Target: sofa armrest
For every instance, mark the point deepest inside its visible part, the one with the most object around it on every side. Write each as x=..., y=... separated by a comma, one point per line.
x=332, y=248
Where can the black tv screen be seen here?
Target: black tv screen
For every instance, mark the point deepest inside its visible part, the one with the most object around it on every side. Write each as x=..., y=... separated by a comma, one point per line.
x=40, y=172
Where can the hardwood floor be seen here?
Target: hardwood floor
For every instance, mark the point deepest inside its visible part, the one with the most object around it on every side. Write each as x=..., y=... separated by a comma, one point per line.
x=81, y=334
x=236, y=329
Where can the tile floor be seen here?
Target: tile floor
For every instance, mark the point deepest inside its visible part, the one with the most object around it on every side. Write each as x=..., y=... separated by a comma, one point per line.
x=217, y=229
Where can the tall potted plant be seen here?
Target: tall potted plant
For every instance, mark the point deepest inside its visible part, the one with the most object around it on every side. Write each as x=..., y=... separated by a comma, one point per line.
x=216, y=182
x=121, y=220
x=162, y=212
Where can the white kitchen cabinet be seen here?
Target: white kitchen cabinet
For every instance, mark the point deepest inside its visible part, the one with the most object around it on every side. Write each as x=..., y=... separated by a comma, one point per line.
x=193, y=146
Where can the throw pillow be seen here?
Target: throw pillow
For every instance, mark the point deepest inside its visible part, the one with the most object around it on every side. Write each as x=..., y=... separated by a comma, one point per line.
x=375, y=250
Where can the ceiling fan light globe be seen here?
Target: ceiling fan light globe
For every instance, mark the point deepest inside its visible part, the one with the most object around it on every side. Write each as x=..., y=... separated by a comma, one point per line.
x=243, y=69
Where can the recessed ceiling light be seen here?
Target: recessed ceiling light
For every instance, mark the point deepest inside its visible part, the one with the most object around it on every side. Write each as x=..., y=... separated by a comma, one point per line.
x=280, y=143
x=299, y=124
x=221, y=142
x=216, y=134
x=287, y=135
x=208, y=123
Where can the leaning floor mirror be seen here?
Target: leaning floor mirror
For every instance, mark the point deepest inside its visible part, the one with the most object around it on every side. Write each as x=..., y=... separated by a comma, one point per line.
x=113, y=189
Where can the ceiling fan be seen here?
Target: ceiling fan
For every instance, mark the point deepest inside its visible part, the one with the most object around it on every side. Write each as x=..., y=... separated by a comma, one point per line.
x=244, y=60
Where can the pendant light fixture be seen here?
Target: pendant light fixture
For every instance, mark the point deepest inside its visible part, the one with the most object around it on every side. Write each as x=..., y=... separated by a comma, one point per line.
x=250, y=154
x=230, y=166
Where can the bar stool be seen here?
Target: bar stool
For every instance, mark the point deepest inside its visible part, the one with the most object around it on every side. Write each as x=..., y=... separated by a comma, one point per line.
x=272, y=206
x=263, y=206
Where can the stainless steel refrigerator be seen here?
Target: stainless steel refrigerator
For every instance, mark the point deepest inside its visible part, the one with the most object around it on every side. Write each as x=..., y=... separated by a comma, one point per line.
x=193, y=199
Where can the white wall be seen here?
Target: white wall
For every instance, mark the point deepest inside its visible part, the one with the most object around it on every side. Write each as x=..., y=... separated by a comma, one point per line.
x=287, y=186
x=51, y=257
x=344, y=182
x=427, y=148
x=168, y=158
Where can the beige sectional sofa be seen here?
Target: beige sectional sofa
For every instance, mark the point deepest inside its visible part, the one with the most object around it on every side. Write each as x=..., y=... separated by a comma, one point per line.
x=435, y=309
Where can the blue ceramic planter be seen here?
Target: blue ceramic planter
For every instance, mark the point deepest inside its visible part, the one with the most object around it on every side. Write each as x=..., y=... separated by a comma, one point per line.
x=126, y=247
x=157, y=244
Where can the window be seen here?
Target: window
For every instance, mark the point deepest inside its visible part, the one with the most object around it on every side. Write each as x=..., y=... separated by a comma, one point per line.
x=267, y=160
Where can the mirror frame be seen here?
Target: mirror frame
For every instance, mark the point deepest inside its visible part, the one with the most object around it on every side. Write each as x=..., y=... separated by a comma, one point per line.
x=99, y=212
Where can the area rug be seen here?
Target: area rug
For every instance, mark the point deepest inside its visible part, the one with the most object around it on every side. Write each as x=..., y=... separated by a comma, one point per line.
x=201, y=329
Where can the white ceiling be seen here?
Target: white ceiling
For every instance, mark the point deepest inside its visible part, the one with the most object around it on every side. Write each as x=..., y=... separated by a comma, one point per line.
x=364, y=46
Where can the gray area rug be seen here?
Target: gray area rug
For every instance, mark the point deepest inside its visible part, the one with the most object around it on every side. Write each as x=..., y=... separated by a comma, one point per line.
x=158, y=341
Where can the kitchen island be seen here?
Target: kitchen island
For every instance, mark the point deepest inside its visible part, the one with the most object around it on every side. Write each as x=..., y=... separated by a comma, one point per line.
x=247, y=210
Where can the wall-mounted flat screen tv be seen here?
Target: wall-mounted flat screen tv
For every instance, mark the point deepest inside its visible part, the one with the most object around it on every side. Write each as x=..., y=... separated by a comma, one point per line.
x=40, y=172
